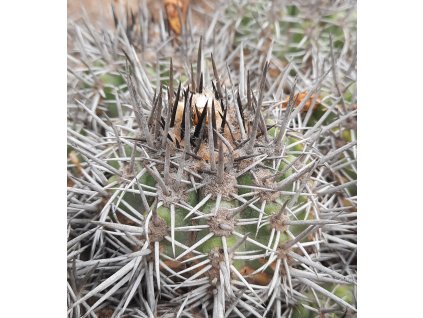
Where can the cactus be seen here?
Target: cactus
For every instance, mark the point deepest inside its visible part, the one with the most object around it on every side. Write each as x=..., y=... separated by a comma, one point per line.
x=204, y=182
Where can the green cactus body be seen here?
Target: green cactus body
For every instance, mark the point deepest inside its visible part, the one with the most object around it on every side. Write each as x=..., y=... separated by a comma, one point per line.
x=217, y=199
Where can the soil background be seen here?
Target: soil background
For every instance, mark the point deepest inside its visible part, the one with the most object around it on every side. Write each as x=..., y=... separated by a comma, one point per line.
x=100, y=10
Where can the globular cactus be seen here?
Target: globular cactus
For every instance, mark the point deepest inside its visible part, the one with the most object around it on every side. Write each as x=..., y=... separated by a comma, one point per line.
x=219, y=190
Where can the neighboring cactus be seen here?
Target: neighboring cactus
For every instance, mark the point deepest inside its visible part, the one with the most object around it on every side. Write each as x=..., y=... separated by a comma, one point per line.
x=224, y=195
